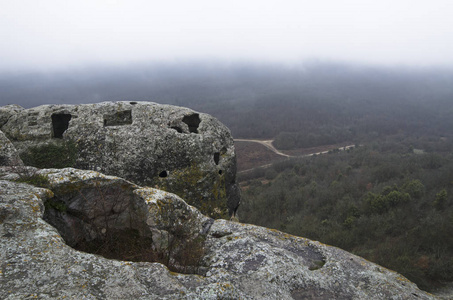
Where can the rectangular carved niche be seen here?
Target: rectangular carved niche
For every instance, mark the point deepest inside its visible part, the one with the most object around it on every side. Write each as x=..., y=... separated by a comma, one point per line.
x=119, y=118
x=60, y=123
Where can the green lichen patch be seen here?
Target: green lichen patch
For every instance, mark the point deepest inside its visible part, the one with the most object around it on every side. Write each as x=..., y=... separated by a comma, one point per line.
x=184, y=251
x=191, y=184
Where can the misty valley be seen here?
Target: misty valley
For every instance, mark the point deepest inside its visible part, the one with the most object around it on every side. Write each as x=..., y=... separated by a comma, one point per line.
x=389, y=199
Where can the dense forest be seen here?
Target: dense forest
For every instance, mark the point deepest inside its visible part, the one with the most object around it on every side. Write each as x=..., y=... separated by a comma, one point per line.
x=389, y=199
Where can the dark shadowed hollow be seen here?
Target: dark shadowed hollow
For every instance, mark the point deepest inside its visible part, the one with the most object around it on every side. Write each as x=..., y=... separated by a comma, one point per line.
x=60, y=123
x=111, y=221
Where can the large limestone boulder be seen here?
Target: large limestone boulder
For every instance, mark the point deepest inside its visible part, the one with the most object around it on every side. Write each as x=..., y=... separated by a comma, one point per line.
x=210, y=259
x=176, y=149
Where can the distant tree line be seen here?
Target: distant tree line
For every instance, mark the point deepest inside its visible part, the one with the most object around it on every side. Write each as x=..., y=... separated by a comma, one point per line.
x=303, y=105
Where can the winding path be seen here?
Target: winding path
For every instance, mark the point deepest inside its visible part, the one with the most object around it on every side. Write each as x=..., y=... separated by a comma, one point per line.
x=265, y=143
x=268, y=145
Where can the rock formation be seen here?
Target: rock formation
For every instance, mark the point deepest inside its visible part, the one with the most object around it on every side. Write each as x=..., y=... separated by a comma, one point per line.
x=176, y=149
x=214, y=259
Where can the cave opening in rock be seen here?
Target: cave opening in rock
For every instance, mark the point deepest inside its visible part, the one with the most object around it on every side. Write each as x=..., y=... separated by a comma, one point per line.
x=112, y=221
x=60, y=123
x=163, y=174
x=193, y=121
x=118, y=118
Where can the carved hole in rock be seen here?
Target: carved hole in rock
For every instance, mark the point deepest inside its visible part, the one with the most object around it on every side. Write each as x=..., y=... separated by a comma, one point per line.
x=313, y=257
x=163, y=174
x=178, y=129
x=317, y=264
x=60, y=123
x=217, y=158
x=132, y=103
x=220, y=172
x=118, y=118
x=193, y=121
x=111, y=221
x=104, y=220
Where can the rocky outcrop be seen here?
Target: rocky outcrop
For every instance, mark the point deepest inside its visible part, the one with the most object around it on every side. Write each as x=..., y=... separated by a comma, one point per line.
x=224, y=260
x=176, y=149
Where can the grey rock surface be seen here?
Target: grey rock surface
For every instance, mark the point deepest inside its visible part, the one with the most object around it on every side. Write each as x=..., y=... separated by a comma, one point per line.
x=238, y=261
x=8, y=153
x=8, y=111
x=176, y=149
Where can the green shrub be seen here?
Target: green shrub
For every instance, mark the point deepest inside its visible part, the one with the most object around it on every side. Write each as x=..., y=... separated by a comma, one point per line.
x=56, y=204
x=34, y=179
x=440, y=200
x=59, y=155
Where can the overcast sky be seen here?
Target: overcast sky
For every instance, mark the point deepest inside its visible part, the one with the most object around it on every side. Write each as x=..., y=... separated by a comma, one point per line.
x=58, y=33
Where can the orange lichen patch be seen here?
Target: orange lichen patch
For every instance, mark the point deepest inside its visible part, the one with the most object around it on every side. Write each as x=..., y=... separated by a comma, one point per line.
x=403, y=279
x=283, y=235
x=230, y=238
x=36, y=208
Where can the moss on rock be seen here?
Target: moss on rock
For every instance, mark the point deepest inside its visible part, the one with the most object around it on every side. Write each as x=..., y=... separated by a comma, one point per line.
x=182, y=183
x=52, y=155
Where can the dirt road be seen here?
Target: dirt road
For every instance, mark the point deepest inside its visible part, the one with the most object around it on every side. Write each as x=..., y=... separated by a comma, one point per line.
x=265, y=143
x=268, y=144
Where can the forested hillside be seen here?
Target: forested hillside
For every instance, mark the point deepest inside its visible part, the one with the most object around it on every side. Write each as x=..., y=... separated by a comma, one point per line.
x=389, y=201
